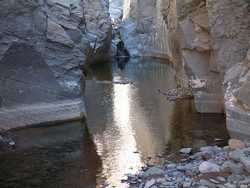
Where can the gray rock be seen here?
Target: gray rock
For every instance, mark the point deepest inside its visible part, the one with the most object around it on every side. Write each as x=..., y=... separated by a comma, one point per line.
x=221, y=179
x=229, y=185
x=235, y=168
x=187, y=184
x=149, y=183
x=56, y=33
x=236, y=155
x=246, y=163
x=153, y=171
x=207, y=167
x=207, y=183
x=186, y=151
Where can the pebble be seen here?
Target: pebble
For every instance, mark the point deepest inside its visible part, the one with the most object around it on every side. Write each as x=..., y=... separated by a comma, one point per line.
x=192, y=171
x=232, y=167
x=153, y=171
x=246, y=163
x=236, y=155
x=186, y=151
x=243, y=186
x=187, y=184
x=229, y=185
x=220, y=178
x=208, y=167
x=149, y=183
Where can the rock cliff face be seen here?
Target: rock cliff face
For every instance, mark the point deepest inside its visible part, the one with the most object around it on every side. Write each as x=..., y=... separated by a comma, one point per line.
x=208, y=42
x=215, y=38
x=144, y=30
x=43, y=45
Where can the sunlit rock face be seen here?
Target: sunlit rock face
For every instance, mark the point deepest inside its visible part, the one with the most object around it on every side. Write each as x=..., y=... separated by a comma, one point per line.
x=144, y=29
x=62, y=35
x=214, y=46
x=210, y=39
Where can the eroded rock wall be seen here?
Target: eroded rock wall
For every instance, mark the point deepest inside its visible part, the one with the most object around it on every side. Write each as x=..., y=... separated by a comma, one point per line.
x=214, y=44
x=44, y=44
x=144, y=29
x=208, y=42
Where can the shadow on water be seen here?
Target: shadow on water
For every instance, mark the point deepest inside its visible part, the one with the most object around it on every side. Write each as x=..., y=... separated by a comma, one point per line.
x=58, y=157
x=128, y=122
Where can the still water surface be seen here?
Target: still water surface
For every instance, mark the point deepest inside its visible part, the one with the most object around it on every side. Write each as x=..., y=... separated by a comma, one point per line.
x=127, y=124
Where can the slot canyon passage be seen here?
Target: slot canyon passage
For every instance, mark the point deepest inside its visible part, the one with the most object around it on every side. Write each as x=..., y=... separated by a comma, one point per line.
x=124, y=93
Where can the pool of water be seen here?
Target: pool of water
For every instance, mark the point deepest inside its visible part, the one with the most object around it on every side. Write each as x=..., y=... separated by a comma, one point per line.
x=128, y=123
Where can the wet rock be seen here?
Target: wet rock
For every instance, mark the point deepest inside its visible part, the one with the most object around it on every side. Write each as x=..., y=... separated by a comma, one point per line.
x=207, y=167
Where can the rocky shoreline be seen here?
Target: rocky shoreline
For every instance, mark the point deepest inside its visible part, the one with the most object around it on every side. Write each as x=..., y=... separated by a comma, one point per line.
x=210, y=167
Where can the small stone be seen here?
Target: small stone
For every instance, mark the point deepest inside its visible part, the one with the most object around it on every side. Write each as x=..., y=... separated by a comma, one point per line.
x=220, y=178
x=207, y=167
x=246, y=163
x=236, y=155
x=149, y=183
x=207, y=149
x=235, y=178
x=187, y=184
x=243, y=186
x=236, y=144
x=229, y=185
x=186, y=151
x=232, y=167
x=171, y=166
x=207, y=183
x=214, y=181
x=153, y=171
x=12, y=143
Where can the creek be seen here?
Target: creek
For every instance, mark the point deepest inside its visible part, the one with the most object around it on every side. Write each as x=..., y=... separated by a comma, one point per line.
x=129, y=124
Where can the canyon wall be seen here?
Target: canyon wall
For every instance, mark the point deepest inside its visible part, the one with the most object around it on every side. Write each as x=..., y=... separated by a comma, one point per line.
x=208, y=42
x=43, y=45
x=214, y=47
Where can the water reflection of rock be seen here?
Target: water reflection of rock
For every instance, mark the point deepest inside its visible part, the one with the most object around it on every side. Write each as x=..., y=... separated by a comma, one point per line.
x=192, y=129
x=62, y=157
